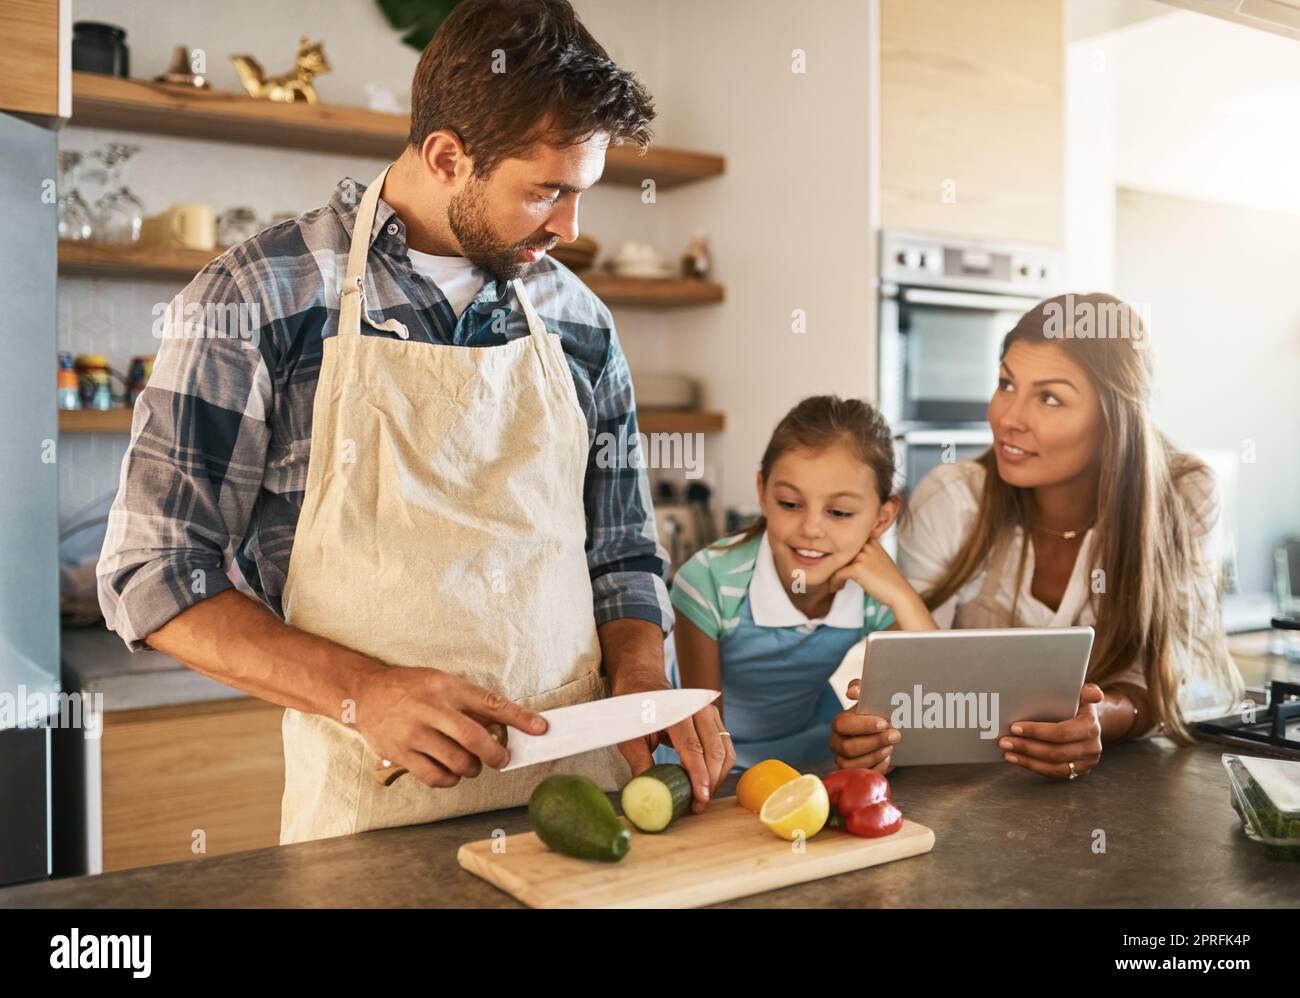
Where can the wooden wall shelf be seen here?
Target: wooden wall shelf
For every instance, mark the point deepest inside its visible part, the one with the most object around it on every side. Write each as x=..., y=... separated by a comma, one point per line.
x=652, y=292
x=89, y=259
x=680, y=421
x=100, y=101
x=95, y=420
x=648, y=421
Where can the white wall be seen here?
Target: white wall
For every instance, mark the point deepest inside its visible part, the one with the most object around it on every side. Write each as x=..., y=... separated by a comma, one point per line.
x=1091, y=122
x=1182, y=141
x=1221, y=281
x=789, y=220
x=1208, y=110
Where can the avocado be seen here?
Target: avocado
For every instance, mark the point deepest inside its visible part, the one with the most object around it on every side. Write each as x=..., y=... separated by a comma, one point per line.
x=574, y=817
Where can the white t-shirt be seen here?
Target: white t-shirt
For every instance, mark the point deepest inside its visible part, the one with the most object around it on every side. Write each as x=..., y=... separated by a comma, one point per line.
x=455, y=276
x=941, y=513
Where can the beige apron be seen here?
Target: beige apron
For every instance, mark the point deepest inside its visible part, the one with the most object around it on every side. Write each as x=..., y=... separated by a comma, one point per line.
x=442, y=527
x=985, y=610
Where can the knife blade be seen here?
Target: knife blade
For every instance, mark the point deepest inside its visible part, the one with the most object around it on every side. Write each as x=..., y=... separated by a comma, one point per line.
x=586, y=726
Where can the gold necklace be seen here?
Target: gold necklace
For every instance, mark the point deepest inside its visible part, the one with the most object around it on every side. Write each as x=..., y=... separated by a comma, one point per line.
x=1068, y=535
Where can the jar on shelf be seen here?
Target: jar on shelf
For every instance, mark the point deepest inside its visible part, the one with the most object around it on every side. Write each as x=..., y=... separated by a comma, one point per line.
x=69, y=392
x=234, y=225
x=119, y=214
x=100, y=48
x=138, y=376
x=94, y=381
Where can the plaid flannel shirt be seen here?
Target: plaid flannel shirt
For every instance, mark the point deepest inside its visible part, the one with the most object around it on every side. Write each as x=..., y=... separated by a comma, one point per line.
x=217, y=462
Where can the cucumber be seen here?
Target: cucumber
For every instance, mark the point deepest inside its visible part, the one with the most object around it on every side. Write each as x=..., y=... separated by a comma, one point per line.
x=657, y=798
x=574, y=817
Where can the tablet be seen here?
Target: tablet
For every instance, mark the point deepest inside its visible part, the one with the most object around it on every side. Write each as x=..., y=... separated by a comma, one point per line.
x=953, y=694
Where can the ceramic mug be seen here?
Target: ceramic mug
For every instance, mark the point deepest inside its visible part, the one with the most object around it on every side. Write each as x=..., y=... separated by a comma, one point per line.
x=190, y=224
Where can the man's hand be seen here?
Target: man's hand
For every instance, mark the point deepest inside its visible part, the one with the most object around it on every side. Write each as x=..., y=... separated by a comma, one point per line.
x=432, y=723
x=700, y=740
x=634, y=659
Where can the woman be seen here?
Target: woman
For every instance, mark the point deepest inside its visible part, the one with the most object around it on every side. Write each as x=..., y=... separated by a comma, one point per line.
x=1081, y=512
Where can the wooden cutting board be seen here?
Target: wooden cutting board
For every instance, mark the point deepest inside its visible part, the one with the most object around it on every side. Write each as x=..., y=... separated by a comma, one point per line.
x=723, y=853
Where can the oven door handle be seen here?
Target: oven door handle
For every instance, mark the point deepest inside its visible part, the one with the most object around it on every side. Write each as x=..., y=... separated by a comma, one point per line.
x=982, y=435
x=964, y=299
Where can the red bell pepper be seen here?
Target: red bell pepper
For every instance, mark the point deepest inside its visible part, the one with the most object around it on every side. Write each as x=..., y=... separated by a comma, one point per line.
x=860, y=803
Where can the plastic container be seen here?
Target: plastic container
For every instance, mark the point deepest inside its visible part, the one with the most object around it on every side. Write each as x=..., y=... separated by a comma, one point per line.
x=1275, y=825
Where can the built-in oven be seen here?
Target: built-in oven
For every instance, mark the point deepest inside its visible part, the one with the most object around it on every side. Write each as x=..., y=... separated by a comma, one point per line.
x=945, y=305
x=918, y=452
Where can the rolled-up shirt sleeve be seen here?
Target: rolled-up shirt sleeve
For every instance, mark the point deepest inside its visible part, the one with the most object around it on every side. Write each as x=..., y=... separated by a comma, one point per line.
x=628, y=565
x=194, y=464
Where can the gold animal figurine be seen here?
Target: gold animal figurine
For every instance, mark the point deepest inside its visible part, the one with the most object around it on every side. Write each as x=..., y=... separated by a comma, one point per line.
x=290, y=87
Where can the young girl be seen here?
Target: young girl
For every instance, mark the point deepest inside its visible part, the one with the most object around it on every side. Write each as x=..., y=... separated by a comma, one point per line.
x=766, y=616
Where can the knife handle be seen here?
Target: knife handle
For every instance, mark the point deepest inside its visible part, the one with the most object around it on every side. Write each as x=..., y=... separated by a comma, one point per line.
x=388, y=774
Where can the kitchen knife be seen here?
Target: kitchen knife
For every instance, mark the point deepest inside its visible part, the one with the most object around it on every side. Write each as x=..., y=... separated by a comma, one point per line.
x=587, y=726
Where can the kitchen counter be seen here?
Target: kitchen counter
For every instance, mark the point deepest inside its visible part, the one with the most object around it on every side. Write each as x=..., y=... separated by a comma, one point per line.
x=1003, y=838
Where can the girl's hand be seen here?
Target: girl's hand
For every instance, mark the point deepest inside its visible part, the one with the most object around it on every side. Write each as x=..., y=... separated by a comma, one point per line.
x=875, y=572
x=1049, y=748
x=862, y=741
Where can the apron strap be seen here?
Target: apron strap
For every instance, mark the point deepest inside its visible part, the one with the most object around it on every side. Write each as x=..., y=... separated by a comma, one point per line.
x=994, y=567
x=352, y=296
x=535, y=324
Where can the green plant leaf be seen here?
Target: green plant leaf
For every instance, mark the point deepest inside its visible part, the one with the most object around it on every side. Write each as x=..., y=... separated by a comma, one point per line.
x=419, y=19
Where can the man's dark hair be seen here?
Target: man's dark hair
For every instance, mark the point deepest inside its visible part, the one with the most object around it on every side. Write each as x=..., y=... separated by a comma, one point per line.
x=503, y=74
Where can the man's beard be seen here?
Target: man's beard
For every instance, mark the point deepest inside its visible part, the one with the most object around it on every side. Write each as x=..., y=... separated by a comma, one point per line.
x=467, y=216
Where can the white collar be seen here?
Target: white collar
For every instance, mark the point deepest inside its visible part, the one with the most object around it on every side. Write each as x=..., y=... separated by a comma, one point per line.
x=771, y=606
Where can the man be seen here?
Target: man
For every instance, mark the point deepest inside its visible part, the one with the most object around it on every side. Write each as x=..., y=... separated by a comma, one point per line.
x=399, y=454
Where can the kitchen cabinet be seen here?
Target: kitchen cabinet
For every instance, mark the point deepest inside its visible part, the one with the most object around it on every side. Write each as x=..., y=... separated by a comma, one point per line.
x=35, y=60
x=176, y=778
x=972, y=131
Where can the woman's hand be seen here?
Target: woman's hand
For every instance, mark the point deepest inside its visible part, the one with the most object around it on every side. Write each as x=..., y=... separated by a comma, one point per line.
x=862, y=741
x=1049, y=748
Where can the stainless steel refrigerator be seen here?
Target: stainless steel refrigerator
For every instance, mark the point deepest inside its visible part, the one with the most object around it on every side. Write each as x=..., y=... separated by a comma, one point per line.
x=29, y=435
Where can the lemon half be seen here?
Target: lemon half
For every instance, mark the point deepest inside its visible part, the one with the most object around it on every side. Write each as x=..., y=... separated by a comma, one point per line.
x=800, y=806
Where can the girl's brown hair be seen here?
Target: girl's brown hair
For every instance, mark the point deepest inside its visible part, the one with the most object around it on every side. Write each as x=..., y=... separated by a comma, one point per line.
x=1160, y=601
x=823, y=421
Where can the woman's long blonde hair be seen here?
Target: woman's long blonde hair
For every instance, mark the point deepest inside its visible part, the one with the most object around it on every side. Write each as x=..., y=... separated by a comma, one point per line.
x=1159, y=603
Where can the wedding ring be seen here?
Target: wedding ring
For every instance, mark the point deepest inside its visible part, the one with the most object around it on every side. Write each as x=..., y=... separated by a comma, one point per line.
x=1073, y=774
